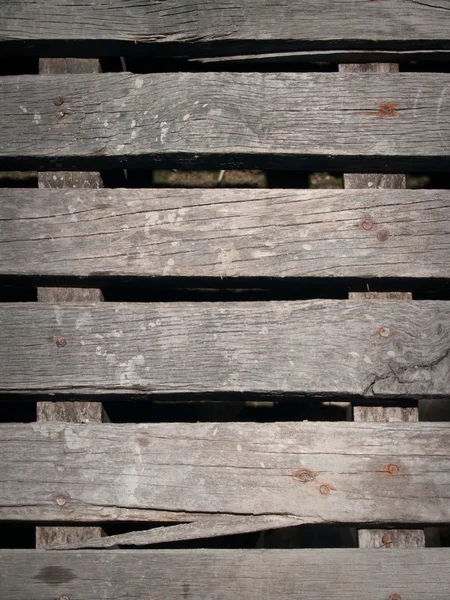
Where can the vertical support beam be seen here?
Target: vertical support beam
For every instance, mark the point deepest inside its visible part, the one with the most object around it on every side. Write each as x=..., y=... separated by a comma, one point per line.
x=377, y=538
x=72, y=412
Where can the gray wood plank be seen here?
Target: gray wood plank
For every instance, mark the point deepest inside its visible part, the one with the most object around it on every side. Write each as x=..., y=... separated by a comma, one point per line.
x=181, y=27
x=378, y=538
x=351, y=574
x=341, y=56
x=200, y=529
x=225, y=233
x=371, y=473
x=75, y=412
x=226, y=119
x=370, y=348
x=391, y=538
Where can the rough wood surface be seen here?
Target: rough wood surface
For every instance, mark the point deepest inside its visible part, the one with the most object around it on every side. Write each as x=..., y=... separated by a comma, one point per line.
x=369, y=347
x=341, y=56
x=203, y=528
x=351, y=574
x=218, y=233
x=369, y=538
x=391, y=538
x=76, y=412
x=338, y=472
x=100, y=27
x=259, y=120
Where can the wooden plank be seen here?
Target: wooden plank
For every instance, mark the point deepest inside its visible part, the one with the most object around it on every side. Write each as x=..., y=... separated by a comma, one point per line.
x=371, y=348
x=76, y=412
x=371, y=473
x=391, y=538
x=203, y=528
x=308, y=56
x=351, y=574
x=90, y=27
x=259, y=120
x=225, y=233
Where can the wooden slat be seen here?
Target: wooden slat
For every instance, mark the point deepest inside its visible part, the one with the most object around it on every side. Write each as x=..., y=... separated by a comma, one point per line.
x=308, y=56
x=296, y=120
x=311, y=472
x=378, y=538
x=92, y=27
x=391, y=538
x=201, y=528
x=370, y=348
x=351, y=574
x=217, y=233
x=75, y=412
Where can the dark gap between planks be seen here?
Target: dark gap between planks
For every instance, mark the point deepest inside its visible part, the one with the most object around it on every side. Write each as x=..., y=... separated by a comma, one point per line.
x=22, y=535
x=238, y=289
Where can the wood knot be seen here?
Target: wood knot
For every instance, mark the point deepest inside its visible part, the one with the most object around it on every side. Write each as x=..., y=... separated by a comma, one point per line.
x=303, y=475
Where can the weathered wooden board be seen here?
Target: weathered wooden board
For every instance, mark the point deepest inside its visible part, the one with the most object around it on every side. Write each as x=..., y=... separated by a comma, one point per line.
x=77, y=412
x=308, y=56
x=176, y=26
x=218, y=233
x=309, y=472
x=351, y=574
x=368, y=348
x=376, y=538
x=271, y=120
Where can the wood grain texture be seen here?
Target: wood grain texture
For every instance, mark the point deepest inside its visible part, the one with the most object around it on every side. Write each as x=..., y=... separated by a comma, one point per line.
x=255, y=120
x=371, y=348
x=76, y=412
x=389, y=539
x=371, y=538
x=225, y=233
x=341, y=56
x=351, y=574
x=177, y=26
x=198, y=529
x=338, y=472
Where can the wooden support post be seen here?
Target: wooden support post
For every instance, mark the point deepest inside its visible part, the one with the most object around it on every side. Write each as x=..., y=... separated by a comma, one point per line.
x=377, y=538
x=72, y=412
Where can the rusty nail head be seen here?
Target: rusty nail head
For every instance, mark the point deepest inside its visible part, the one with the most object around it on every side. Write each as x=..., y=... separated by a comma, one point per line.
x=384, y=331
x=367, y=224
x=60, y=499
x=382, y=235
x=392, y=469
x=395, y=597
x=387, y=109
x=60, y=342
x=60, y=114
x=324, y=489
x=58, y=101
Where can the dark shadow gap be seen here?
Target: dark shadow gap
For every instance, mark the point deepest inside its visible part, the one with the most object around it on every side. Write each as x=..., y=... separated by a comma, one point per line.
x=227, y=289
